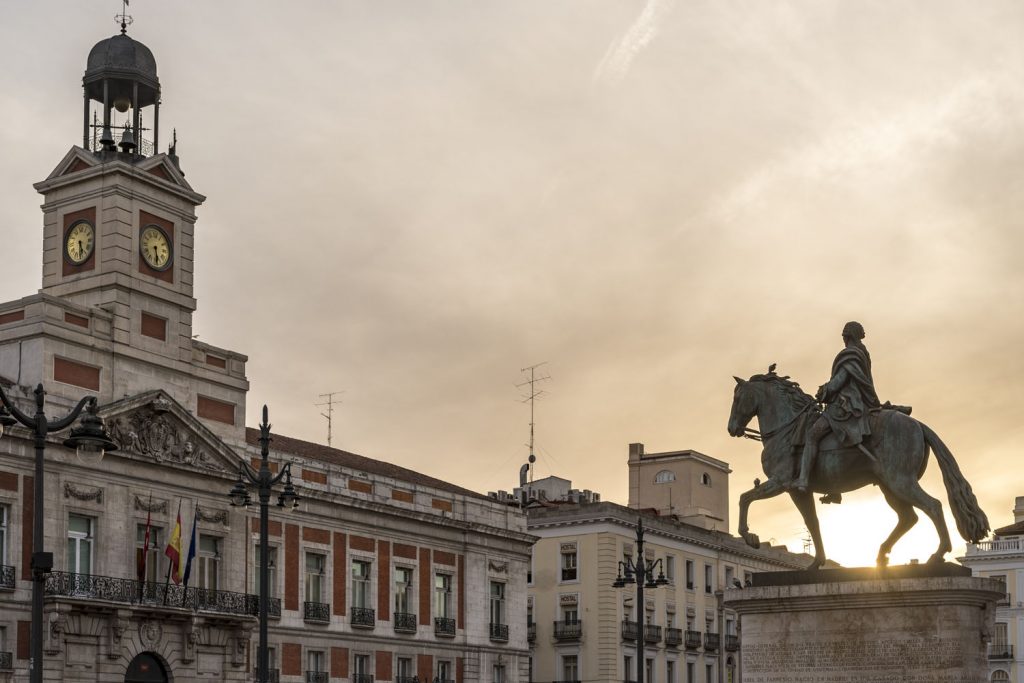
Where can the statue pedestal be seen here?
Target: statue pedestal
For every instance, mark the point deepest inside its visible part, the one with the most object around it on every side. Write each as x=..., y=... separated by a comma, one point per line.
x=907, y=624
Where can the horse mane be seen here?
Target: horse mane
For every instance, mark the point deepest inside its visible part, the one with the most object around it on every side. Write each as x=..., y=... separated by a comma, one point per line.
x=790, y=390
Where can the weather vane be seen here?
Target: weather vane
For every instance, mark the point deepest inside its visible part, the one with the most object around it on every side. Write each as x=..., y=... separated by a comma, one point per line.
x=124, y=18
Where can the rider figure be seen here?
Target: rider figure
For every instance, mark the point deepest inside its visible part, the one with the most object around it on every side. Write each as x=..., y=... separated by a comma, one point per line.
x=849, y=396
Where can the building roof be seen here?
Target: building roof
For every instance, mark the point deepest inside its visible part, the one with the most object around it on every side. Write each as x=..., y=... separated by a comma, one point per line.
x=335, y=456
x=1015, y=529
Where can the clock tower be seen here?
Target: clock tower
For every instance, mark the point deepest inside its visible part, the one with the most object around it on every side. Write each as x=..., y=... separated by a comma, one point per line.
x=114, y=315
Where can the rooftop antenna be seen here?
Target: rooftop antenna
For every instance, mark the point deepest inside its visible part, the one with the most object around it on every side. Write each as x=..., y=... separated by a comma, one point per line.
x=124, y=18
x=330, y=410
x=531, y=396
x=807, y=541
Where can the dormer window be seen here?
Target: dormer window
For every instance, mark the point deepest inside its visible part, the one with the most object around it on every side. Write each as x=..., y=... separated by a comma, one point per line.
x=664, y=477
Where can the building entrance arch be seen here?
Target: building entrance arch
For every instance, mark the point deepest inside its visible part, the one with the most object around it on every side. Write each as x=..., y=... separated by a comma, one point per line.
x=146, y=668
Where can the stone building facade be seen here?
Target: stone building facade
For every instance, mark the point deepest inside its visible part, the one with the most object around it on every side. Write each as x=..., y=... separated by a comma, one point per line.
x=383, y=573
x=1002, y=558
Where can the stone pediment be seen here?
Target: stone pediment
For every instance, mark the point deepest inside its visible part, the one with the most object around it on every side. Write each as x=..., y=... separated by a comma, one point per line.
x=77, y=159
x=153, y=426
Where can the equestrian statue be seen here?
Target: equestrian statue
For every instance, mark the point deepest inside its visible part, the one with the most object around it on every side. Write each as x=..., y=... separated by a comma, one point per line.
x=844, y=439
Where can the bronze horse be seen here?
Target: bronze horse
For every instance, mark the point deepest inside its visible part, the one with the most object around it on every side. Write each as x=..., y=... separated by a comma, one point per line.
x=896, y=460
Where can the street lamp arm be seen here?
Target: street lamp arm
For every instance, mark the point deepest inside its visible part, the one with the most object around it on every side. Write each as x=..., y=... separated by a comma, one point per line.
x=70, y=418
x=250, y=472
x=21, y=417
x=285, y=471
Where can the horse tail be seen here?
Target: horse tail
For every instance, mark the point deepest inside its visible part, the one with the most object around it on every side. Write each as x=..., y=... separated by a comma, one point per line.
x=971, y=521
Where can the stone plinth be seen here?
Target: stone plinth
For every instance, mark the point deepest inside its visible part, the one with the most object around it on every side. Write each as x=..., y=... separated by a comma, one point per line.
x=910, y=624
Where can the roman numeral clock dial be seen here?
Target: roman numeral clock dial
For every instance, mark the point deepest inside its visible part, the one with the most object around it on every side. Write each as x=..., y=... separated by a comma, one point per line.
x=79, y=242
x=155, y=248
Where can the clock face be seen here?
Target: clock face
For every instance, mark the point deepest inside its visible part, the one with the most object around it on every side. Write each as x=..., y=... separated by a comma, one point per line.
x=155, y=248
x=79, y=242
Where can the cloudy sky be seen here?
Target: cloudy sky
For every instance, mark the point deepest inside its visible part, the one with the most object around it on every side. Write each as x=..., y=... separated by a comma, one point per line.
x=409, y=201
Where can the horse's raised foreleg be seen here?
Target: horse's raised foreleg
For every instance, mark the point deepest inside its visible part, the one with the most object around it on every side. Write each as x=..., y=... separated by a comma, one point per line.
x=804, y=501
x=907, y=519
x=769, y=489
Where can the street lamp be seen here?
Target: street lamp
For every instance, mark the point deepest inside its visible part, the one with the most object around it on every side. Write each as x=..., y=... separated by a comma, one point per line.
x=640, y=572
x=263, y=481
x=91, y=442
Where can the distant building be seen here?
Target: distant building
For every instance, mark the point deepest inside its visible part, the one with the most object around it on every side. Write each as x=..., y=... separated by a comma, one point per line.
x=583, y=629
x=1002, y=558
x=383, y=573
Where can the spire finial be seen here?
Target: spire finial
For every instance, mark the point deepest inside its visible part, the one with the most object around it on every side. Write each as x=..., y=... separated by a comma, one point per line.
x=124, y=18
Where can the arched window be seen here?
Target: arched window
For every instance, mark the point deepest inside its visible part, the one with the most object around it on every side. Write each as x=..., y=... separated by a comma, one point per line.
x=664, y=477
x=1000, y=676
x=705, y=479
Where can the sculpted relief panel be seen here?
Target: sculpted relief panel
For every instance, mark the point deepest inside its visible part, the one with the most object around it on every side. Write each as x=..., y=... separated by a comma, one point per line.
x=153, y=432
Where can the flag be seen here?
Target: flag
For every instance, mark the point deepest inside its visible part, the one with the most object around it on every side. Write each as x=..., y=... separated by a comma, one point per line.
x=191, y=549
x=173, y=550
x=145, y=546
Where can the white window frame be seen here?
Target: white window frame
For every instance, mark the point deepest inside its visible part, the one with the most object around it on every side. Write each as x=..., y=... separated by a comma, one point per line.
x=444, y=602
x=365, y=583
x=315, y=587
x=498, y=612
x=78, y=539
x=405, y=589
x=272, y=573
x=569, y=562
x=208, y=563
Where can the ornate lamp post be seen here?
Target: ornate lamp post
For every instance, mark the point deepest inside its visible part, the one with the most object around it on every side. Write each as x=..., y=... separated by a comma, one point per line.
x=90, y=441
x=263, y=481
x=640, y=572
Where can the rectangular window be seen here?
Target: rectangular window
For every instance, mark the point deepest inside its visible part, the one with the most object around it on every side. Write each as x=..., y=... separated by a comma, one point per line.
x=404, y=669
x=570, y=668
x=208, y=559
x=748, y=578
x=315, y=661
x=709, y=573
x=271, y=571
x=403, y=590
x=4, y=521
x=709, y=673
x=444, y=670
x=649, y=672
x=156, y=561
x=691, y=672
x=670, y=619
x=627, y=669
x=1000, y=638
x=689, y=574
x=529, y=569
x=730, y=576
x=571, y=615
x=443, y=595
x=497, y=602
x=498, y=675
x=670, y=567
x=670, y=672
x=361, y=665
x=361, y=584
x=569, y=566
x=315, y=570
x=80, y=540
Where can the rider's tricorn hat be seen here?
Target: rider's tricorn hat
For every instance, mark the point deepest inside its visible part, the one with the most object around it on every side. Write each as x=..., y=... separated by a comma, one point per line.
x=853, y=329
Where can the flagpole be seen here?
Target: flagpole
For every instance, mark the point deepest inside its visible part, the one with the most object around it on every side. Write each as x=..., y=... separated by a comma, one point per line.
x=167, y=581
x=145, y=548
x=191, y=553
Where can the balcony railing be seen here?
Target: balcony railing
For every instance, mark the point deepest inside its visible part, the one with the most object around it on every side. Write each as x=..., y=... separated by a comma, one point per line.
x=997, y=545
x=1001, y=651
x=652, y=633
x=499, y=633
x=404, y=622
x=711, y=641
x=6, y=661
x=317, y=677
x=273, y=675
x=273, y=607
x=316, y=612
x=673, y=636
x=732, y=642
x=692, y=639
x=531, y=631
x=6, y=577
x=569, y=574
x=131, y=591
x=362, y=678
x=568, y=630
x=630, y=630
x=407, y=679
x=1003, y=601
x=363, y=617
x=443, y=626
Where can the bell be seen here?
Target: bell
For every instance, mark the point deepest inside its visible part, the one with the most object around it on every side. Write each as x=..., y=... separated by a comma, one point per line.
x=127, y=143
x=107, y=139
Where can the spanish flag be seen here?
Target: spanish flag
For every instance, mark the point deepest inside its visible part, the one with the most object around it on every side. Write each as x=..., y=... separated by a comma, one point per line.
x=173, y=550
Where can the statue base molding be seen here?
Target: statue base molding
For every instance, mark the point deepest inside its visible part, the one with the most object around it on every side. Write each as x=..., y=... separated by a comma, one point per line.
x=902, y=624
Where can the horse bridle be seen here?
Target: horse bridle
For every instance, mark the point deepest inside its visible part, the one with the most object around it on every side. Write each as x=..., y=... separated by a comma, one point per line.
x=754, y=434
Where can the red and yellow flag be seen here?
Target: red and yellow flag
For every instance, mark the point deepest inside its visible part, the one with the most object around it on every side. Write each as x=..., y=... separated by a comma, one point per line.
x=173, y=551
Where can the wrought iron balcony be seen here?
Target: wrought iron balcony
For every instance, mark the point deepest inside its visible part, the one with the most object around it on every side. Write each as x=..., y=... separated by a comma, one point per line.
x=404, y=622
x=316, y=612
x=443, y=626
x=531, y=631
x=362, y=678
x=630, y=630
x=317, y=677
x=692, y=639
x=568, y=630
x=363, y=617
x=569, y=574
x=652, y=633
x=673, y=636
x=499, y=633
x=273, y=607
x=732, y=642
x=1000, y=651
x=407, y=679
x=273, y=675
x=133, y=592
x=711, y=641
x=6, y=578
x=6, y=661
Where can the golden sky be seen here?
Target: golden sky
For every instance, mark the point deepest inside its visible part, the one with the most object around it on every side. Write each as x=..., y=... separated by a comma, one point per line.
x=410, y=201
